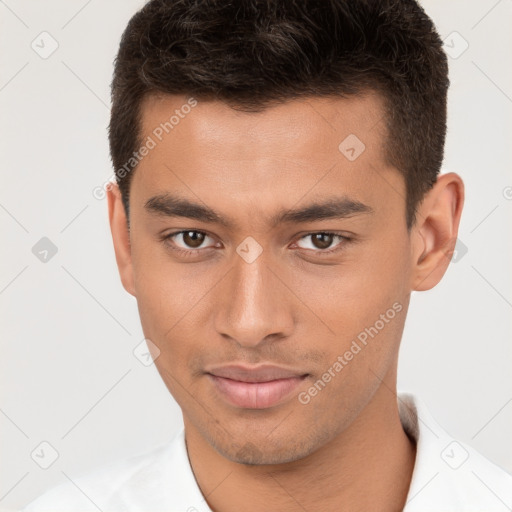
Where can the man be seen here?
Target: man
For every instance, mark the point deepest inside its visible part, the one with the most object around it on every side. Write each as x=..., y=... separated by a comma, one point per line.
x=278, y=198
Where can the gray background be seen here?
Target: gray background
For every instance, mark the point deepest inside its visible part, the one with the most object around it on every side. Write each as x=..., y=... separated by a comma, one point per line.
x=68, y=330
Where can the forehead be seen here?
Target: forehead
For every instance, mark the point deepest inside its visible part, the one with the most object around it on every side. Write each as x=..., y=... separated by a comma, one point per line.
x=291, y=126
x=305, y=146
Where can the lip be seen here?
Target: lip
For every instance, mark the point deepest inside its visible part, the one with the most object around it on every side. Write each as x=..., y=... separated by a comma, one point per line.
x=257, y=387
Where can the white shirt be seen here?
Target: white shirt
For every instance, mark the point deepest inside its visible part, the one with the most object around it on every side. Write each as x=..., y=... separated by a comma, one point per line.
x=448, y=476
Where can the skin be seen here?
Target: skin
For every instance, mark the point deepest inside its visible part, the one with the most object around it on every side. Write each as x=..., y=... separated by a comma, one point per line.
x=292, y=306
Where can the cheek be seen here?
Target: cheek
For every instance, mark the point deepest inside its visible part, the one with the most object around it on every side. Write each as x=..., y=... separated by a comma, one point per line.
x=352, y=297
x=364, y=302
x=164, y=289
x=173, y=301
x=159, y=295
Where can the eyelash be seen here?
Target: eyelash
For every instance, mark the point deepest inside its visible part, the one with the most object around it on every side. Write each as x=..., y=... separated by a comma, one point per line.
x=191, y=253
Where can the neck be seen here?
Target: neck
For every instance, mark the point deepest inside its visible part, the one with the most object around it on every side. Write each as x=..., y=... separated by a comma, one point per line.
x=368, y=466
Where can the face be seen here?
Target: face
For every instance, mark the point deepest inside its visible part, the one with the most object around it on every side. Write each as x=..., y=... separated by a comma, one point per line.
x=270, y=261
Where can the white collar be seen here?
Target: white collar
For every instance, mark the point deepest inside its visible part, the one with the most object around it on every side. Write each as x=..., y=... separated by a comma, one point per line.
x=448, y=475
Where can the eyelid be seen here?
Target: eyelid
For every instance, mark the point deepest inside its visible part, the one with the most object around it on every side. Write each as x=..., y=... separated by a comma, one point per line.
x=338, y=247
x=170, y=236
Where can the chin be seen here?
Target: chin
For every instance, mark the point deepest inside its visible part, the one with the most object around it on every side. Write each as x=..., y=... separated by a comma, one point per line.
x=265, y=452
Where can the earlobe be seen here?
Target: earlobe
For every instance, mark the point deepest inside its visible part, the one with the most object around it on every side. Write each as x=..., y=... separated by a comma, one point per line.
x=120, y=237
x=436, y=229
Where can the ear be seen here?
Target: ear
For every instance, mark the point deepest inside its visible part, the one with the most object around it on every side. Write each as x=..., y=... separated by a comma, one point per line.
x=435, y=231
x=120, y=236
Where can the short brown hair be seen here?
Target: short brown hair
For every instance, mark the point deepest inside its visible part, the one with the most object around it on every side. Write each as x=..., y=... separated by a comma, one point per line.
x=250, y=53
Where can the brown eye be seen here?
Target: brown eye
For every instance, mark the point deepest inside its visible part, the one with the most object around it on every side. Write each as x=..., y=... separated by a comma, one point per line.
x=323, y=241
x=193, y=239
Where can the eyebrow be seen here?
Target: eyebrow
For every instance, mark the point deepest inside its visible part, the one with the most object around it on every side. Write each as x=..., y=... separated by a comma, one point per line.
x=167, y=205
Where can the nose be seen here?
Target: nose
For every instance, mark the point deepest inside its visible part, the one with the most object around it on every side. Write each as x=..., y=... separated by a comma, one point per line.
x=253, y=304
